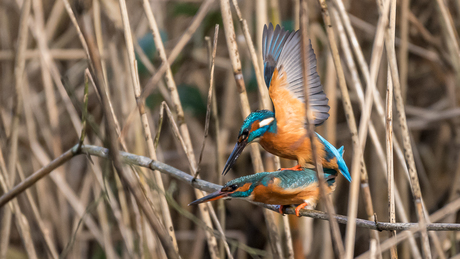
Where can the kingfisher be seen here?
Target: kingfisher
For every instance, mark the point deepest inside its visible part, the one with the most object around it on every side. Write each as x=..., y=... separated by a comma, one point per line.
x=283, y=188
x=284, y=132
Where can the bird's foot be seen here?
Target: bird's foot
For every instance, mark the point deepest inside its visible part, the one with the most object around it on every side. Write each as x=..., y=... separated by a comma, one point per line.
x=298, y=208
x=280, y=209
x=295, y=168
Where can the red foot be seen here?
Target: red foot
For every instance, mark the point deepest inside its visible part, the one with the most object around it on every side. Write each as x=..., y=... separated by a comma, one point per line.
x=280, y=209
x=295, y=168
x=298, y=208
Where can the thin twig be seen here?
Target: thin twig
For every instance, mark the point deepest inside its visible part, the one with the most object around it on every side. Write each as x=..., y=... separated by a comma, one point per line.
x=210, y=187
x=209, y=102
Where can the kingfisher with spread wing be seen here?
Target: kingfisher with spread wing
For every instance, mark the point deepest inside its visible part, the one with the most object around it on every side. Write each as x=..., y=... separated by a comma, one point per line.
x=284, y=131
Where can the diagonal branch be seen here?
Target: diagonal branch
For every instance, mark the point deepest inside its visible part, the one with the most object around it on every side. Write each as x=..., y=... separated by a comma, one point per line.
x=146, y=162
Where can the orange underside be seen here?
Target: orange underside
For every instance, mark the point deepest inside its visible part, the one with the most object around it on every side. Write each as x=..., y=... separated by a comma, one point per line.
x=284, y=144
x=291, y=140
x=273, y=194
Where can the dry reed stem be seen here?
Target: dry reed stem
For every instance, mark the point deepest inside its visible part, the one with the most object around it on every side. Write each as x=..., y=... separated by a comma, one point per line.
x=219, y=228
x=51, y=106
x=51, y=66
x=102, y=215
x=167, y=220
x=245, y=109
x=177, y=134
x=210, y=94
x=236, y=65
x=54, y=19
x=14, y=132
x=73, y=199
x=349, y=111
x=403, y=54
x=57, y=54
x=53, y=114
x=364, y=68
x=336, y=237
x=415, y=186
x=263, y=91
x=212, y=242
x=127, y=179
x=453, y=36
x=21, y=221
x=363, y=127
x=117, y=213
x=261, y=19
x=390, y=34
x=175, y=131
x=44, y=230
x=218, y=147
x=204, y=8
x=350, y=115
x=445, y=211
x=265, y=103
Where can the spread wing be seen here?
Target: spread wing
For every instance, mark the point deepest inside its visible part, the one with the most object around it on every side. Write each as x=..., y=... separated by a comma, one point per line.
x=283, y=75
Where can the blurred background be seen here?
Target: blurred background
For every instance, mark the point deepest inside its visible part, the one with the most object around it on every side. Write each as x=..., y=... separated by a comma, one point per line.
x=82, y=209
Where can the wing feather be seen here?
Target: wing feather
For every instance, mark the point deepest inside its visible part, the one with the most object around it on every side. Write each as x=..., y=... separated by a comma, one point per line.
x=273, y=41
x=282, y=50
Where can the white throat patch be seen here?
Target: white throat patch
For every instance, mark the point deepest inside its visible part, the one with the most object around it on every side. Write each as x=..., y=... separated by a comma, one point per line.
x=266, y=122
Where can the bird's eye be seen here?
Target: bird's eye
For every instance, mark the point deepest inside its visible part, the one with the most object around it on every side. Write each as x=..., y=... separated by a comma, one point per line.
x=243, y=135
x=230, y=188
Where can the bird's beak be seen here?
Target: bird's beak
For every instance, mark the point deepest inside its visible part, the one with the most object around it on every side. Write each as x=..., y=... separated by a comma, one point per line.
x=211, y=197
x=234, y=156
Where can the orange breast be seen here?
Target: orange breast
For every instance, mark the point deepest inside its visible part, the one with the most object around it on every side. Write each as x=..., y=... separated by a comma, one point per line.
x=273, y=194
x=294, y=146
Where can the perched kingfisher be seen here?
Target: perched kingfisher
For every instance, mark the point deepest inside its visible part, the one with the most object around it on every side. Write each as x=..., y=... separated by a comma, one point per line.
x=284, y=132
x=285, y=187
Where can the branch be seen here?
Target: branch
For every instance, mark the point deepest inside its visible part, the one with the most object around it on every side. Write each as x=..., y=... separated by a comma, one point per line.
x=146, y=162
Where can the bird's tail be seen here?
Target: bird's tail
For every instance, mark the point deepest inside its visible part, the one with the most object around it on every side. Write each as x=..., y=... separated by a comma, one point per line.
x=332, y=152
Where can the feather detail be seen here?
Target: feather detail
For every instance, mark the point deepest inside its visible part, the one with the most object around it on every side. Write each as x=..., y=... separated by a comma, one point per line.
x=272, y=45
x=282, y=51
x=333, y=154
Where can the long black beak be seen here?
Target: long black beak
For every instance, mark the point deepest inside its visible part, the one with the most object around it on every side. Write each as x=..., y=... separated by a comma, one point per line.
x=234, y=156
x=211, y=197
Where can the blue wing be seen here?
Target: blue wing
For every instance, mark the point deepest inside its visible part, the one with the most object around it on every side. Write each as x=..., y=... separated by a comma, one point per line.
x=281, y=50
x=272, y=44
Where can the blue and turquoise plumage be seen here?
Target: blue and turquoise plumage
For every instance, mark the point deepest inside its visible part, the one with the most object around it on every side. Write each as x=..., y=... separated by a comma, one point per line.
x=284, y=187
x=284, y=132
x=332, y=152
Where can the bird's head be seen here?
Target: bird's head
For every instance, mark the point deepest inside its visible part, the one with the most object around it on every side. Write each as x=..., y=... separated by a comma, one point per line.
x=237, y=188
x=254, y=127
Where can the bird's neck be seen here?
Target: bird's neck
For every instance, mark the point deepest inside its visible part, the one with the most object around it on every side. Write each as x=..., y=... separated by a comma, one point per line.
x=273, y=128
